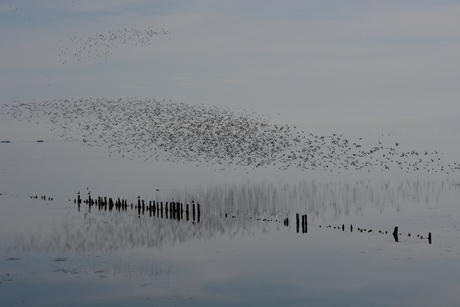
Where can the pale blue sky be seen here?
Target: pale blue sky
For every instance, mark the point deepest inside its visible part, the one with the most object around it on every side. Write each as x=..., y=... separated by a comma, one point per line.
x=383, y=65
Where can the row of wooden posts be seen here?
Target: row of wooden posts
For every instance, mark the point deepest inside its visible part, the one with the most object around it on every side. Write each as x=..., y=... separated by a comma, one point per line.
x=171, y=210
x=176, y=210
x=396, y=235
x=43, y=197
x=304, y=225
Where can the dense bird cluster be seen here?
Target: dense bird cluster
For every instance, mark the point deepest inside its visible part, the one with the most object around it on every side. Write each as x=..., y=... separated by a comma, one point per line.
x=103, y=45
x=179, y=132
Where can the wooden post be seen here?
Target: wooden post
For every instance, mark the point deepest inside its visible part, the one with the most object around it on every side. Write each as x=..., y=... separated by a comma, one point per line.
x=178, y=217
x=297, y=222
x=304, y=224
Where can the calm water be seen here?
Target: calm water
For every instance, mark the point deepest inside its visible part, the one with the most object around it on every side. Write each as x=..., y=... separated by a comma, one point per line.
x=246, y=248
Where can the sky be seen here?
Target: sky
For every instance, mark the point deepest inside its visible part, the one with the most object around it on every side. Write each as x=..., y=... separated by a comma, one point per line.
x=343, y=66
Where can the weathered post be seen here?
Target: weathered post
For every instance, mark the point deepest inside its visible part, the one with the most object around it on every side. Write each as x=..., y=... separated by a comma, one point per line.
x=395, y=234
x=304, y=224
x=178, y=212
x=297, y=222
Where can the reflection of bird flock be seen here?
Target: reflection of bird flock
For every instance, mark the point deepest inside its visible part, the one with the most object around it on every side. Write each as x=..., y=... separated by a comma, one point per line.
x=179, y=132
x=102, y=45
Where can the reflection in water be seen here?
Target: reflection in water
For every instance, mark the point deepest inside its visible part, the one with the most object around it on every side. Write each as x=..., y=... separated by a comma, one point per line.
x=314, y=198
x=229, y=210
x=109, y=232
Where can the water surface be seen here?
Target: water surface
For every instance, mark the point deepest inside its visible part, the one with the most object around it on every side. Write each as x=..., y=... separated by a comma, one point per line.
x=246, y=249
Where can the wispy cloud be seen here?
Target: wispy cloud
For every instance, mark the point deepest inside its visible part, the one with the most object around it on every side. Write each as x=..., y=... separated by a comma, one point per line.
x=86, y=6
x=227, y=80
x=133, y=87
x=435, y=23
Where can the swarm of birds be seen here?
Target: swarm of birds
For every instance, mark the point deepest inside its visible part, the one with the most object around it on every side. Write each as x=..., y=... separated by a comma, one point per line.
x=220, y=137
x=102, y=45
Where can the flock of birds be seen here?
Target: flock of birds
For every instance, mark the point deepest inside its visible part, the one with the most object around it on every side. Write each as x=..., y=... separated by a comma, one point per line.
x=103, y=45
x=218, y=137
x=100, y=45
